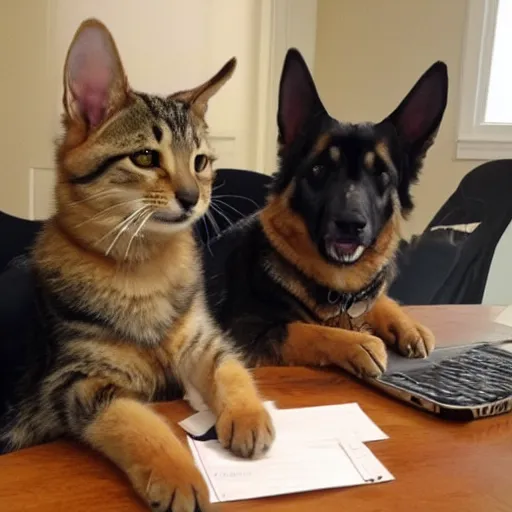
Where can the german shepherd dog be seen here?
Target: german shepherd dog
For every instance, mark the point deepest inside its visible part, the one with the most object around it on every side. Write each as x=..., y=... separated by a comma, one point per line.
x=305, y=279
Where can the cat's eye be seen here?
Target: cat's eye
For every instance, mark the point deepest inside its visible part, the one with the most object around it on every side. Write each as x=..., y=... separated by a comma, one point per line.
x=200, y=163
x=146, y=158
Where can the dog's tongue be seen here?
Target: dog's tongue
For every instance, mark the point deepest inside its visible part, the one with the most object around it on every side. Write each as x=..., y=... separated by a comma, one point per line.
x=346, y=247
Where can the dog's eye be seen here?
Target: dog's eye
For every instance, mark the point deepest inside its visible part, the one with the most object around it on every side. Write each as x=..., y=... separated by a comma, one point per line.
x=315, y=176
x=317, y=171
x=382, y=178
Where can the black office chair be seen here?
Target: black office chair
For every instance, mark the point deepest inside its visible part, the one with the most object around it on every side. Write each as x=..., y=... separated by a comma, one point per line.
x=449, y=266
x=17, y=236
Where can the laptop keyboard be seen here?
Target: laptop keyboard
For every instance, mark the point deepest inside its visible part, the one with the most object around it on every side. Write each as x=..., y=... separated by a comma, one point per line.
x=478, y=376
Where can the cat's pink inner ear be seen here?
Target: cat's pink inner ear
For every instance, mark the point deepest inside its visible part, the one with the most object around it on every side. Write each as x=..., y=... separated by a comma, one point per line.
x=91, y=75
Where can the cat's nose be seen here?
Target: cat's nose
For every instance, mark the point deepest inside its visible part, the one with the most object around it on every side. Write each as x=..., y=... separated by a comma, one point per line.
x=187, y=198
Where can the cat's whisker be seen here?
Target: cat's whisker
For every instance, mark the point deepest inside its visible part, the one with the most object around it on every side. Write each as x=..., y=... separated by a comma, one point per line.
x=102, y=212
x=213, y=222
x=136, y=233
x=121, y=224
x=218, y=186
x=130, y=221
x=220, y=212
x=94, y=196
x=238, y=197
x=207, y=236
x=227, y=205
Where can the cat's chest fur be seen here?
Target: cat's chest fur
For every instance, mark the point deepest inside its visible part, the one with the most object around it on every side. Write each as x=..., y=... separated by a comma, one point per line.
x=137, y=303
x=145, y=318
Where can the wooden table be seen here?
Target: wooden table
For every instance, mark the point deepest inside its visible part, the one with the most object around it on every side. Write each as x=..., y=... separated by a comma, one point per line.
x=437, y=465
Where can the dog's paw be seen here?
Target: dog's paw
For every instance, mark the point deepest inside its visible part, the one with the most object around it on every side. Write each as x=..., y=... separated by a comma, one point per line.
x=410, y=338
x=368, y=358
x=245, y=429
x=172, y=485
x=415, y=341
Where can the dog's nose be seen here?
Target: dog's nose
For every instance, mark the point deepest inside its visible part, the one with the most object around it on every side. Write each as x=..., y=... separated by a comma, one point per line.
x=351, y=223
x=187, y=197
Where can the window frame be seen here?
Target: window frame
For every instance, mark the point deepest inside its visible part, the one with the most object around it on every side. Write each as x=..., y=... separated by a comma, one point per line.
x=478, y=140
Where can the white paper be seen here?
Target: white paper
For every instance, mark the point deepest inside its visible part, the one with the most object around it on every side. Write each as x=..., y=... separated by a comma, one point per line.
x=198, y=424
x=308, y=423
x=315, y=448
x=194, y=398
x=505, y=317
x=287, y=468
x=326, y=422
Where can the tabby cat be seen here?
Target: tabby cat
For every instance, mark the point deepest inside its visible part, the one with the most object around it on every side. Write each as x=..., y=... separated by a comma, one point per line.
x=122, y=318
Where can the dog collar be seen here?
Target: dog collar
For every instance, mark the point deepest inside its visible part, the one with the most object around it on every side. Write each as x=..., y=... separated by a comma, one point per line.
x=355, y=304
x=325, y=300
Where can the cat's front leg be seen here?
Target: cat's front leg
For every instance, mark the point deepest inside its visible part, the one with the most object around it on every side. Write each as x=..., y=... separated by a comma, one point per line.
x=243, y=425
x=138, y=441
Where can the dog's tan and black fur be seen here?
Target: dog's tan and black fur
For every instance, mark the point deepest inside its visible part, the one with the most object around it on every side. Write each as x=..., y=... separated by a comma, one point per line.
x=305, y=279
x=122, y=317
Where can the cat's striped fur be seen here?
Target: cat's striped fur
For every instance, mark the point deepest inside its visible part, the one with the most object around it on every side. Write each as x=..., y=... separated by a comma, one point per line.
x=122, y=314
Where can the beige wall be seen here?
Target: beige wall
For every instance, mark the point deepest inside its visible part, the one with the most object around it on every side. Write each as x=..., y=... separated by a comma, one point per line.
x=369, y=53
x=26, y=129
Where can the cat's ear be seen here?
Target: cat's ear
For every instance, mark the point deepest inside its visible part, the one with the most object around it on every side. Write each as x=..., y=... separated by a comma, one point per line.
x=298, y=98
x=95, y=85
x=198, y=97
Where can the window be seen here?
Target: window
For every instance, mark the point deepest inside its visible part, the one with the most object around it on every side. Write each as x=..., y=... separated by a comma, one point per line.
x=485, y=126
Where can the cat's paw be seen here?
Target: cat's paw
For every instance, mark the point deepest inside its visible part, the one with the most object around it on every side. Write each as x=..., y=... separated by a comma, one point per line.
x=246, y=429
x=368, y=358
x=172, y=484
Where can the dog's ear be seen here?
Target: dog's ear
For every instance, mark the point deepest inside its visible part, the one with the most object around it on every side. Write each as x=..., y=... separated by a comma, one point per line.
x=298, y=99
x=416, y=121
